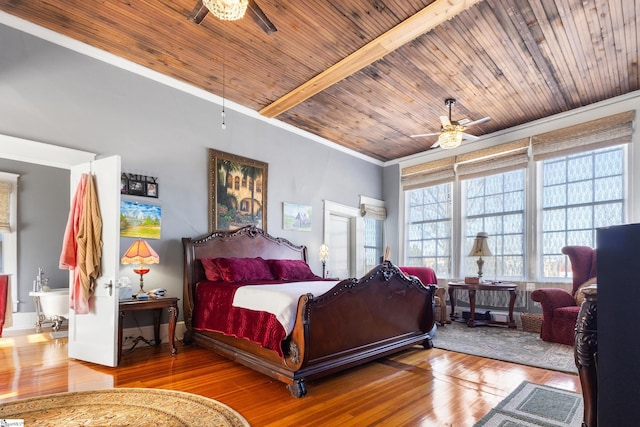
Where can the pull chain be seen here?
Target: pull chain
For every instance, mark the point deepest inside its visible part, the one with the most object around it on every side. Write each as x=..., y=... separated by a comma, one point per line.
x=224, y=61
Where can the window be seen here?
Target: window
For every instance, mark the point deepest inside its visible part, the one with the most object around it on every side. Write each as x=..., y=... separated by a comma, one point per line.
x=495, y=204
x=580, y=193
x=372, y=242
x=429, y=212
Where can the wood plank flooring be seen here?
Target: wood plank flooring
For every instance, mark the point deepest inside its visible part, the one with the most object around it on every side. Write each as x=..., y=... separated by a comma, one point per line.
x=414, y=388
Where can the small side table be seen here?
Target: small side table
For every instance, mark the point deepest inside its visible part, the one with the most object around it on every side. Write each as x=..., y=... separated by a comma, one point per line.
x=472, y=288
x=155, y=304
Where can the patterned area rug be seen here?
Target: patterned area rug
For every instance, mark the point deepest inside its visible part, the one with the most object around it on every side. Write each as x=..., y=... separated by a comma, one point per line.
x=510, y=345
x=536, y=405
x=122, y=407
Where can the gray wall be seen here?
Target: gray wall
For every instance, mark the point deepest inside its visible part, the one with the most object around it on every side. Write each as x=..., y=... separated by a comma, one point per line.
x=54, y=95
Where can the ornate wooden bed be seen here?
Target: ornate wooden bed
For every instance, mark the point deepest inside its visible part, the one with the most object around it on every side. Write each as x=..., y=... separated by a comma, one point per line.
x=357, y=321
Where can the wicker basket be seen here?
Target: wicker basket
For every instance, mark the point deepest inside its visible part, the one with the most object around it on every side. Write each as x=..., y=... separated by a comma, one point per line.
x=531, y=322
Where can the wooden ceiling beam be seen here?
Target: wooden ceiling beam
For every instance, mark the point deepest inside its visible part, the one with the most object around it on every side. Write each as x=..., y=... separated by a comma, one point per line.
x=422, y=22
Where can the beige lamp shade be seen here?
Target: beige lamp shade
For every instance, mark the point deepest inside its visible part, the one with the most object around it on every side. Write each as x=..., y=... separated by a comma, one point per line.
x=480, y=245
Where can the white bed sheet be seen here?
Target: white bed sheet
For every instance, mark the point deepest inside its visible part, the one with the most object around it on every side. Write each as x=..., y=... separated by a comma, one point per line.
x=281, y=300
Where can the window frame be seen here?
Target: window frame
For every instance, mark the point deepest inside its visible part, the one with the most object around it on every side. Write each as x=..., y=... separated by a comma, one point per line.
x=538, y=255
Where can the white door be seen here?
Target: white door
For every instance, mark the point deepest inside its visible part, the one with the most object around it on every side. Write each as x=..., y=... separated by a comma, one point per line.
x=93, y=337
x=339, y=247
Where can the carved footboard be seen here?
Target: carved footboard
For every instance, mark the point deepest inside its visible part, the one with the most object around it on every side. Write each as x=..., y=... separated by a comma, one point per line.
x=361, y=320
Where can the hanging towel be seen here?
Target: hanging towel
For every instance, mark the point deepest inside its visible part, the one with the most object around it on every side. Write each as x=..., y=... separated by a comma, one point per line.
x=69, y=255
x=68, y=260
x=89, y=242
x=5, y=302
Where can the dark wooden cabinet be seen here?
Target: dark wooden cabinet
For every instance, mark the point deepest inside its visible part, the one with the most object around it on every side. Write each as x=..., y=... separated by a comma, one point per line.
x=618, y=349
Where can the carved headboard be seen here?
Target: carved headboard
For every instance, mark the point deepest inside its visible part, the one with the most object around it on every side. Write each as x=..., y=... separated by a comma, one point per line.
x=247, y=242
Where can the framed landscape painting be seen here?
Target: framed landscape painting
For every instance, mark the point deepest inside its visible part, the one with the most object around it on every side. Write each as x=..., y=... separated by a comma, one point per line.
x=140, y=220
x=237, y=192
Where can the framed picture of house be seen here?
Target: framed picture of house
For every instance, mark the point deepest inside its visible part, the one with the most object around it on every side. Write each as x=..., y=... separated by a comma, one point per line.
x=296, y=217
x=237, y=191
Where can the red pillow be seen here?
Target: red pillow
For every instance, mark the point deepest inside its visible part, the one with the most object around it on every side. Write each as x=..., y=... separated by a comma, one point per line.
x=291, y=269
x=243, y=269
x=211, y=270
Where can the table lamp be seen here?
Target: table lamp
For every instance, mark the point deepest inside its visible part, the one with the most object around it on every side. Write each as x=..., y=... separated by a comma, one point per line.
x=324, y=256
x=140, y=253
x=480, y=248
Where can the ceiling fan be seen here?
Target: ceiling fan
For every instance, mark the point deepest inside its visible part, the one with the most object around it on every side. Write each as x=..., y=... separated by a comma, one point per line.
x=452, y=132
x=200, y=11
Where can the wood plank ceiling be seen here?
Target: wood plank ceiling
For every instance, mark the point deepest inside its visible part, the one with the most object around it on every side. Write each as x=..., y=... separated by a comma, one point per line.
x=513, y=60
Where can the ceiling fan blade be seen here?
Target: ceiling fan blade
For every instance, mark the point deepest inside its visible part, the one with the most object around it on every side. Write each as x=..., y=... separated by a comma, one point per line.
x=477, y=122
x=469, y=137
x=198, y=13
x=261, y=18
x=424, y=134
x=445, y=121
x=435, y=145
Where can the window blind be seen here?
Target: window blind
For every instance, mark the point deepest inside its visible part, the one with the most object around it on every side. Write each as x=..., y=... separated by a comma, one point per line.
x=5, y=206
x=492, y=160
x=373, y=212
x=607, y=131
x=427, y=174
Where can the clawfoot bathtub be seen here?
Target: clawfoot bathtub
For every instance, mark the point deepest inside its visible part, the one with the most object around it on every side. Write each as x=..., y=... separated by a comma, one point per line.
x=52, y=306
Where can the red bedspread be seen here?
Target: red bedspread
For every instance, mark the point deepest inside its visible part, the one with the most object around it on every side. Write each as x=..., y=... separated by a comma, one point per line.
x=213, y=311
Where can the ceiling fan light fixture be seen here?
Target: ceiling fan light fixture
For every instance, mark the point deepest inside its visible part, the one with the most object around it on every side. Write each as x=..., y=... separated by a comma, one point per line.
x=227, y=10
x=451, y=138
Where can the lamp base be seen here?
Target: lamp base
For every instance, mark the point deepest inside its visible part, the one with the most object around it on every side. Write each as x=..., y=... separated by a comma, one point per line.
x=141, y=272
x=480, y=265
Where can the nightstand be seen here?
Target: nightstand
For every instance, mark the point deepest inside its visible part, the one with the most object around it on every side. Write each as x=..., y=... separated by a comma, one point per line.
x=155, y=304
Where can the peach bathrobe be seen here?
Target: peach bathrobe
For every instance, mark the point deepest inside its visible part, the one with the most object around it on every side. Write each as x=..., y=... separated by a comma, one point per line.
x=82, y=244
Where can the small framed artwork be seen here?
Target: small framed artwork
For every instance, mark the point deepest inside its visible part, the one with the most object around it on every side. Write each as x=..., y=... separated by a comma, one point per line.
x=296, y=217
x=136, y=188
x=152, y=189
x=140, y=220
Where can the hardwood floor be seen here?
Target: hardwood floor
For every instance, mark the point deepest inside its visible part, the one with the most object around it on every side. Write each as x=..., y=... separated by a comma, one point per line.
x=414, y=388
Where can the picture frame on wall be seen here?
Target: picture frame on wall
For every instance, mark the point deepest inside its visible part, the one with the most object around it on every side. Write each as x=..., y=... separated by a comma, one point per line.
x=296, y=217
x=136, y=188
x=152, y=189
x=140, y=220
x=139, y=185
x=237, y=191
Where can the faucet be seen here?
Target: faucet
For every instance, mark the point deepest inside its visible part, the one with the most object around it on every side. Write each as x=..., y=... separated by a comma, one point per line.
x=41, y=282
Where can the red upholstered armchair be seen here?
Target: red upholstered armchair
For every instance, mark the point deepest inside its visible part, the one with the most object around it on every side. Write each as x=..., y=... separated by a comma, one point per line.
x=559, y=307
x=428, y=277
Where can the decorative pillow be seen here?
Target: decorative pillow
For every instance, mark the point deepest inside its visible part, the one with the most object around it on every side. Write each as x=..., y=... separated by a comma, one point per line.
x=243, y=269
x=579, y=296
x=211, y=270
x=291, y=269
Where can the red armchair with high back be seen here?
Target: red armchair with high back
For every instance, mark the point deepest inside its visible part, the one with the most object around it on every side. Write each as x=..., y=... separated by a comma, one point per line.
x=428, y=277
x=559, y=307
